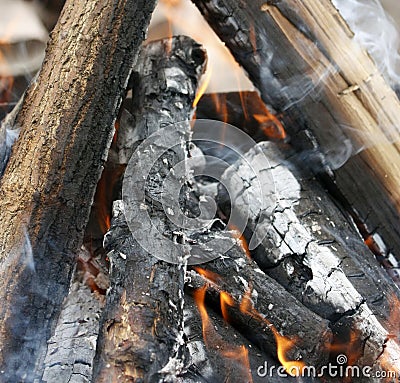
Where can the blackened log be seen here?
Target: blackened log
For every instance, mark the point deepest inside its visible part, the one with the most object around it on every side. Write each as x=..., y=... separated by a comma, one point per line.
x=241, y=278
x=310, y=247
x=142, y=331
x=216, y=352
x=142, y=324
x=163, y=91
x=67, y=121
x=302, y=57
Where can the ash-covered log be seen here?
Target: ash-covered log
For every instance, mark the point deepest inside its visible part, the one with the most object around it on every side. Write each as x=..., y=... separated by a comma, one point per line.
x=142, y=328
x=72, y=347
x=67, y=121
x=328, y=93
x=309, y=247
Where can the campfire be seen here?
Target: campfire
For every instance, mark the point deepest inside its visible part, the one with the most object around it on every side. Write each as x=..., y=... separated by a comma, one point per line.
x=160, y=224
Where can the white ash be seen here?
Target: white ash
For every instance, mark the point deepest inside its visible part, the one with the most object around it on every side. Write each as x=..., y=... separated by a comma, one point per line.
x=328, y=283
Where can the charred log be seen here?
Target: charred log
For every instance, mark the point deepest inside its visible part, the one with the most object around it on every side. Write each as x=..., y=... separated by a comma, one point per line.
x=142, y=330
x=218, y=352
x=328, y=94
x=256, y=296
x=311, y=248
x=66, y=125
x=72, y=347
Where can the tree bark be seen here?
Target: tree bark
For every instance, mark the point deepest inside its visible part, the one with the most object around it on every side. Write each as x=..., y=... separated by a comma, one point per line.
x=142, y=330
x=66, y=127
x=328, y=93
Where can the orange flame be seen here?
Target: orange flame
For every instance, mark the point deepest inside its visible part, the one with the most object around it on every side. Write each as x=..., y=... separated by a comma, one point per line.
x=206, y=274
x=390, y=358
x=225, y=300
x=104, y=195
x=235, y=232
x=6, y=82
x=203, y=86
x=283, y=344
x=271, y=126
x=214, y=341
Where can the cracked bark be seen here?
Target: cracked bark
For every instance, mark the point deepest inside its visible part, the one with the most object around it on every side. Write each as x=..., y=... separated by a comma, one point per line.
x=328, y=93
x=46, y=191
x=311, y=248
x=142, y=329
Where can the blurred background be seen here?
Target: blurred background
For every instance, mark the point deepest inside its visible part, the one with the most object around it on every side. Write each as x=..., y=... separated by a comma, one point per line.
x=24, y=27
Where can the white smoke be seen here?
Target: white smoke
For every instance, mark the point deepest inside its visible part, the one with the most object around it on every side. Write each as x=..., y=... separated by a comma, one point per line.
x=377, y=32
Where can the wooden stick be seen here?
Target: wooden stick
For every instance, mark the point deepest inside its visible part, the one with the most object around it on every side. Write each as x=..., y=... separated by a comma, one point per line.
x=302, y=57
x=45, y=195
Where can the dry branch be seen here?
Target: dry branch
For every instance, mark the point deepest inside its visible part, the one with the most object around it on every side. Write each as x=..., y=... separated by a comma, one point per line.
x=66, y=127
x=329, y=94
x=141, y=337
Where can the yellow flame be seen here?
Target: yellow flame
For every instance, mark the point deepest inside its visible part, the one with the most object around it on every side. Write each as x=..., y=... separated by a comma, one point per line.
x=214, y=341
x=203, y=87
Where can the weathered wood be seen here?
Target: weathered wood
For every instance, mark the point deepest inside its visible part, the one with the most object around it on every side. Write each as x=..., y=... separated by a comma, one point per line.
x=329, y=94
x=66, y=127
x=310, y=247
x=142, y=331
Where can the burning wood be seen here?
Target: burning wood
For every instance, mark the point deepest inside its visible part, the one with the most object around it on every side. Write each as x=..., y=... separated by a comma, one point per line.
x=66, y=125
x=245, y=291
x=143, y=328
x=294, y=286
